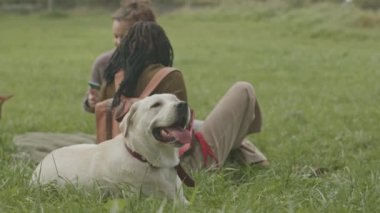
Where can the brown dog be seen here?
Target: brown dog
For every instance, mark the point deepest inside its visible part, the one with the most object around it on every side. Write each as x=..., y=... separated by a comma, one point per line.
x=2, y=100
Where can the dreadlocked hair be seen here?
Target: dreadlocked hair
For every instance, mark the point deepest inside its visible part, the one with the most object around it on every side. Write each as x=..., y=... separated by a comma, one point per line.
x=114, y=65
x=145, y=44
x=130, y=11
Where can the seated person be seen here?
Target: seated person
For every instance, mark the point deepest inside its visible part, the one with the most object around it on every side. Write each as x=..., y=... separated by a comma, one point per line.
x=122, y=20
x=143, y=52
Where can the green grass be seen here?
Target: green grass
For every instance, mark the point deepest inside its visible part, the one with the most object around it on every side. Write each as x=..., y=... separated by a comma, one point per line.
x=315, y=71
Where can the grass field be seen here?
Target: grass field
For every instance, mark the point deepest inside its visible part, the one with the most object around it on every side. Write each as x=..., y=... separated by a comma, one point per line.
x=315, y=71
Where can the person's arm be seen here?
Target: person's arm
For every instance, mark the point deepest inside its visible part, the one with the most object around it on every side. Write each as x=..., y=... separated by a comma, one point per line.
x=173, y=83
x=97, y=73
x=91, y=94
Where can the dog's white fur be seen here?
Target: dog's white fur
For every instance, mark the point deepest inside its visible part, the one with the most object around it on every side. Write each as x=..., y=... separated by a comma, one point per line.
x=109, y=164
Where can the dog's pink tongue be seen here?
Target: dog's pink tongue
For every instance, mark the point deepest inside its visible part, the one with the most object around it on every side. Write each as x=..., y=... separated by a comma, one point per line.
x=180, y=134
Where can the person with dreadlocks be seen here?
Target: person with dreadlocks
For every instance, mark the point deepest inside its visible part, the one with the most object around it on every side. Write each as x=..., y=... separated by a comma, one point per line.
x=122, y=19
x=143, y=52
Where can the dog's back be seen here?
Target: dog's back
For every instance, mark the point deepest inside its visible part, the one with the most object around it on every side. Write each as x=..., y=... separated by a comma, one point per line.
x=67, y=164
x=107, y=164
x=83, y=163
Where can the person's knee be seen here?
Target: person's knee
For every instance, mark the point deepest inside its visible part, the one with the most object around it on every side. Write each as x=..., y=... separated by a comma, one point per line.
x=244, y=87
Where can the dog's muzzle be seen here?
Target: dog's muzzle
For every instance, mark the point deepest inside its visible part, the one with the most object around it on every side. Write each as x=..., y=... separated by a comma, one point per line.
x=177, y=133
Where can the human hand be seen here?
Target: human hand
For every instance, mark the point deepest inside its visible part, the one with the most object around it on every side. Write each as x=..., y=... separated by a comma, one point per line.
x=92, y=98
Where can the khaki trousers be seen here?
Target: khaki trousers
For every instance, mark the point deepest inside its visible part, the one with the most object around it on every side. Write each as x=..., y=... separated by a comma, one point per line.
x=236, y=115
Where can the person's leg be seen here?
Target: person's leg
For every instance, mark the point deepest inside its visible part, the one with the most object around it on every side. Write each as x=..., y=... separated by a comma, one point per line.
x=236, y=115
x=250, y=154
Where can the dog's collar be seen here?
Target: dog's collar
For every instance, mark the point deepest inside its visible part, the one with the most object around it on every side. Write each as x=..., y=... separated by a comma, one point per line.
x=137, y=155
x=186, y=179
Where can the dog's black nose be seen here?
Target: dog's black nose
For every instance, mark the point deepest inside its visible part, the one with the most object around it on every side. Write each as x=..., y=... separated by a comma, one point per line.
x=182, y=106
x=182, y=113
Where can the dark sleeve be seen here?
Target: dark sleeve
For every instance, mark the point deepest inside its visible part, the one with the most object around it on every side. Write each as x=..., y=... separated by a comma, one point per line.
x=96, y=76
x=99, y=66
x=173, y=83
x=97, y=73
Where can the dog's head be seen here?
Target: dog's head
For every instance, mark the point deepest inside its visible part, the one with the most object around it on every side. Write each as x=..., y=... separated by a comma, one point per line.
x=157, y=125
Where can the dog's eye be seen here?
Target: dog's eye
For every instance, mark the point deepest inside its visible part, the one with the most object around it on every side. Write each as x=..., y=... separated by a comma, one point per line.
x=157, y=104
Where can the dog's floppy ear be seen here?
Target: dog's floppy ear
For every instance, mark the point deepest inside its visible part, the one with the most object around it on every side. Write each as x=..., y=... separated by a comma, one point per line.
x=127, y=121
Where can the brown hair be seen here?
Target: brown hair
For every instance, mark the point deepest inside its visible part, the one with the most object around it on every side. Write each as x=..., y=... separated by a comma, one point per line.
x=134, y=10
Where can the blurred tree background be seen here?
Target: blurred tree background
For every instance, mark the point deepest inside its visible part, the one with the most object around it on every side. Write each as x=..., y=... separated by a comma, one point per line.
x=35, y=5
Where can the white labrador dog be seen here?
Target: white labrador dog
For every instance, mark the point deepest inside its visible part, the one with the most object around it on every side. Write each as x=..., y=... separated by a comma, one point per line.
x=144, y=155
